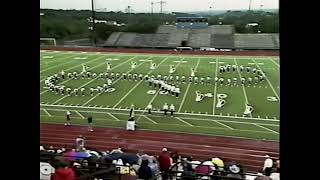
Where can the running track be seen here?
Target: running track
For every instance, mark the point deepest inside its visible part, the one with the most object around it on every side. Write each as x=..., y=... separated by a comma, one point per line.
x=248, y=153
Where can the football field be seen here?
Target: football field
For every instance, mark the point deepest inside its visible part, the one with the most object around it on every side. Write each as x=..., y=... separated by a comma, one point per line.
x=111, y=109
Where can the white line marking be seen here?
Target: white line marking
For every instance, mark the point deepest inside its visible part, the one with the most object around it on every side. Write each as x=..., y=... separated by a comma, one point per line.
x=51, y=67
x=251, y=63
x=150, y=120
x=198, y=119
x=112, y=84
x=63, y=82
x=184, y=121
x=88, y=81
x=126, y=95
x=272, y=60
x=180, y=61
x=243, y=88
x=274, y=91
x=267, y=128
x=99, y=119
x=215, y=89
x=185, y=95
x=224, y=125
x=143, y=60
x=47, y=112
x=80, y=115
x=190, y=114
x=113, y=117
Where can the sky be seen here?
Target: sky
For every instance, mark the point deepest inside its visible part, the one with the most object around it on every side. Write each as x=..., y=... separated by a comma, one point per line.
x=169, y=6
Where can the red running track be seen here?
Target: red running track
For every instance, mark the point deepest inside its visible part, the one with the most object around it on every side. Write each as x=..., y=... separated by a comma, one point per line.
x=248, y=153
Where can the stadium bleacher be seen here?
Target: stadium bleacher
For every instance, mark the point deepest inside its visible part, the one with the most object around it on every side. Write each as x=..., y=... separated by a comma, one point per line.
x=254, y=41
x=216, y=36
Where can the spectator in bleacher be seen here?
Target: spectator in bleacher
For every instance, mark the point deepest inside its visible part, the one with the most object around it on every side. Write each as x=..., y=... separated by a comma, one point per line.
x=80, y=140
x=145, y=171
x=275, y=176
x=165, y=163
x=234, y=171
x=278, y=165
x=268, y=164
x=118, y=150
x=205, y=168
x=264, y=177
x=174, y=156
x=218, y=163
x=186, y=164
x=63, y=172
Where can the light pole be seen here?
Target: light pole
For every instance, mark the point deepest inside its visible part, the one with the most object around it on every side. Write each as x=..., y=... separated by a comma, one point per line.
x=93, y=28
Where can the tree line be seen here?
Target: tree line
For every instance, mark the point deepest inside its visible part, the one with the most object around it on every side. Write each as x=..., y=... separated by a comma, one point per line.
x=74, y=24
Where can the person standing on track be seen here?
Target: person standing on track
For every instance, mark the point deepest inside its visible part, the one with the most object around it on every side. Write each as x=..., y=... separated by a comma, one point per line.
x=172, y=109
x=149, y=108
x=165, y=108
x=90, y=126
x=68, y=119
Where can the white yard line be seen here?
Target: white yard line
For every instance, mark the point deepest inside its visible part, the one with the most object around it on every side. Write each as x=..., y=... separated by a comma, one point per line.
x=91, y=79
x=80, y=115
x=215, y=88
x=132, y=89
x=59, y=63
x=185, y=122
x=47, y=112
x=113, y=117
x=150, y=120
x=274, y=91
x=224, y=125
x=112, y=84
x=92, y=60
x=185, y=95
x=267, y=128
x=272, y=60
x=105, y=119
x=243, y=88
x=190, y=114
x=154, y=97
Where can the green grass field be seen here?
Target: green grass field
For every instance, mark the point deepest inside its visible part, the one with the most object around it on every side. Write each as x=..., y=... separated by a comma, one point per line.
x=112, y=109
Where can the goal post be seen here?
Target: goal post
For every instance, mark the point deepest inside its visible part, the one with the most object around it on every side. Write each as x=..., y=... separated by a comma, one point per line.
x=48, y=42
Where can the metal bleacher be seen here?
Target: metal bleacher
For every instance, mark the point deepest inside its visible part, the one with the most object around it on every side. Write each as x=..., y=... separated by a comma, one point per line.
x=216, y=36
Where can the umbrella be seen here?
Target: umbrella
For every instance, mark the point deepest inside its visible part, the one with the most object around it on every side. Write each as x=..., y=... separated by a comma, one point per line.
x=126, y=157
x=71, y=155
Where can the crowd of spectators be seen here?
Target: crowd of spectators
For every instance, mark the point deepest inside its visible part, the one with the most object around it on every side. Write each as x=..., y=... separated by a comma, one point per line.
x=81, y=163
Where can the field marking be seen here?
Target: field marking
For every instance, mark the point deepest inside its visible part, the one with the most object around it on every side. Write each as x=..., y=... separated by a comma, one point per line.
x=112, y=83
x=46, y=69
x=180, y=61
x=158, y=55
x=113, y=117
x=272, y=60
x=155, y=96
x=185, y=95
x=189, y=114
x=215, y=89
x=80, y=115
x=128, y=93
x=150, y=119
x=197, y=119
x=274, y=91
x=223, y=125
x=47, y=112
x=92, y=79
x=184, y=121
x=167, y=124
x=267, y=128
x=92, y=60
x=243, y=88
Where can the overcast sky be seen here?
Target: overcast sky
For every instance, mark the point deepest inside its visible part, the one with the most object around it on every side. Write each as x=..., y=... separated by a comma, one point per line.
x=171, y=5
